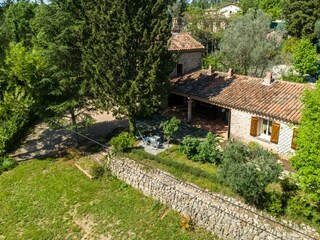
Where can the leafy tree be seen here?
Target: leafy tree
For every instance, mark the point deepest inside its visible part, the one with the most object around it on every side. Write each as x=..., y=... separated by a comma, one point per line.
x=23, y=68
x=248, y=170
x=301, y=16
x=245, y=5
x=60, y=34
x=14, y=113
x=253, y=58
x=305, y=58
x=123, y=142
x=127, y=55
x=170, y=127
x=201, y=26
x=307, y=157
x=272, y=7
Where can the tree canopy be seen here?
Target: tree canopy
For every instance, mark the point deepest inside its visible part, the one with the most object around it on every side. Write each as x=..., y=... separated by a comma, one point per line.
x=307, y=157
x=127, y=55
x=253, y=58
x=301, y=16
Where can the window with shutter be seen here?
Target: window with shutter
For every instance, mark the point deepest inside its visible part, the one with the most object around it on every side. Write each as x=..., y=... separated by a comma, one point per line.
x=275, y=133
x=294, y=136
x=254, y=126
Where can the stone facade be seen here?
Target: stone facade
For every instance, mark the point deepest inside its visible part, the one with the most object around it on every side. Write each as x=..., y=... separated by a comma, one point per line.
x=240, y=130
x=190, y=61
x=225, y=217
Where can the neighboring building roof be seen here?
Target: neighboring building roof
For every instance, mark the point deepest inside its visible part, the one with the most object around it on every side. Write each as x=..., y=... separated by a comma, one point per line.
x=280, y=100
x=184, y=42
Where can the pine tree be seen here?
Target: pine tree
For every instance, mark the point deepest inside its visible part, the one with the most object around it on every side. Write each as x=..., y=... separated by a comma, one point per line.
x=60, y=36
x=127, y=53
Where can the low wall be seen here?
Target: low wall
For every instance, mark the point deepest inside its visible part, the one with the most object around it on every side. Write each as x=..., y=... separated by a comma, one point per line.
x=226, y=217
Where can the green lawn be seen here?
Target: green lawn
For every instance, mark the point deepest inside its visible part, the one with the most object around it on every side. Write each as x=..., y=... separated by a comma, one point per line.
x=173, y=161
x=53, y=200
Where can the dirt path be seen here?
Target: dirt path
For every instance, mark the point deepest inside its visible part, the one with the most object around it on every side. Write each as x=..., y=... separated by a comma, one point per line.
x=44, y=141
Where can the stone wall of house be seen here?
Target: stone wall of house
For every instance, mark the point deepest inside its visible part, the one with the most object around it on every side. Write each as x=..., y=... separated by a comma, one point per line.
x=240, y=130
x=225, y=217
x=191, y=61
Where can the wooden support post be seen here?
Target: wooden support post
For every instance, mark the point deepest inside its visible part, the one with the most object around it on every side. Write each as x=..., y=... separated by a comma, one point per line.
x=189, y=110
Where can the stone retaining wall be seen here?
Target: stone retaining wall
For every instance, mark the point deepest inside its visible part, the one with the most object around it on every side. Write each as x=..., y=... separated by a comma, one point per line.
x=226, y=217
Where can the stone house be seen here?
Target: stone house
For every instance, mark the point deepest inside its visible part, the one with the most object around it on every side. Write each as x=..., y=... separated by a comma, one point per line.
x=189, y=50
x=260, y=110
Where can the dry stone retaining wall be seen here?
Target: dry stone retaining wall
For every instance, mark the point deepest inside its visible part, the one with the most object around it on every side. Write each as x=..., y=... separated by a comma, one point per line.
x=226, y=217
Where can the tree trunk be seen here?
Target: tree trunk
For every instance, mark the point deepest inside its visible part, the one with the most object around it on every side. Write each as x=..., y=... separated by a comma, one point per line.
x=75, y=125
x=132, y=125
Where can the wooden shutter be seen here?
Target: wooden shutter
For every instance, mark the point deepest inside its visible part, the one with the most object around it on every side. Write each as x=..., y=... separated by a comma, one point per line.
x=254, y=126
x=275, y=133
x=294, y=136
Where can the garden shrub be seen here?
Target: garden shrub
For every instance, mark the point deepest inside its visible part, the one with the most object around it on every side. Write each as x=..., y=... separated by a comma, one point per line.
x=275, y=200
x=7, y=163
x=189, y=146
x=248, y=171
x=123, y=142
x=206, y=151
x=303, y=206
x=97, y=171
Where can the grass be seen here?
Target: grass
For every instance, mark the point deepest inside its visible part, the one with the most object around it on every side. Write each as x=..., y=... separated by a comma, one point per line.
x=173, y=161
x=51, y=199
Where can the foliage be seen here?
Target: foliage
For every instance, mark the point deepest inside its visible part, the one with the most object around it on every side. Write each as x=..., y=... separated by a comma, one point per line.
x=16, y=23
x=97, y=171
x=253, y=58
x=214, y=60
x=14, y=113
x=301, y=16
x=288, y=48
x=307, y=157
x=205, y=27
x=248, y=170
x=305, y=58
x=7, y=163
x=189, y=146
x=60, y=33
x=301, y=205
x=206, y=151
x=126, y=55
x=272, y=7
x=274, y=199
x=292, y=77
x=170, y=127
x=123, y=142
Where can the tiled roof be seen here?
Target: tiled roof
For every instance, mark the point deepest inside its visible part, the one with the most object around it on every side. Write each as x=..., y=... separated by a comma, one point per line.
x=184, y=42
x=280, y=100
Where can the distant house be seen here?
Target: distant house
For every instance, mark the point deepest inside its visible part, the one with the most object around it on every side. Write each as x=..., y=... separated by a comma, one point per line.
x=259, y=110
x=221, y=15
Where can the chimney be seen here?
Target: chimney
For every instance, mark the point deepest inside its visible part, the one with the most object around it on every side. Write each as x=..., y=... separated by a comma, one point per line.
x=175, y=26
x=268, y=80
x=210, y=71
x=230, y=73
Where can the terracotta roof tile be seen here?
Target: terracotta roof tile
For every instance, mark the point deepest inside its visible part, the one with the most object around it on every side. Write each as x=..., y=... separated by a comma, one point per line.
x=184, y=42
x=280, y=100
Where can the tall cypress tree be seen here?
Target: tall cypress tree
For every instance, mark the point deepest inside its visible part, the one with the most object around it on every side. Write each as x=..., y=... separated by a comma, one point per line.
x=127, y=55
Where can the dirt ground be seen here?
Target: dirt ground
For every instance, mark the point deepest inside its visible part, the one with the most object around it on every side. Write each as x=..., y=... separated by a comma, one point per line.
x=44, y=141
